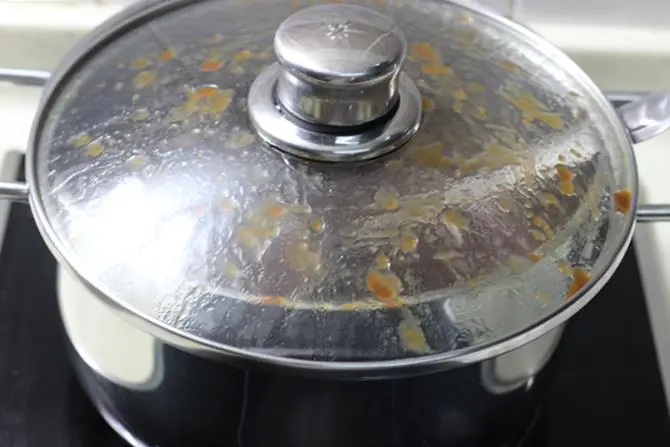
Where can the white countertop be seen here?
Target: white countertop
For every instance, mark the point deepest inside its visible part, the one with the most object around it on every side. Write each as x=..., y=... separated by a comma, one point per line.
x=35, y=35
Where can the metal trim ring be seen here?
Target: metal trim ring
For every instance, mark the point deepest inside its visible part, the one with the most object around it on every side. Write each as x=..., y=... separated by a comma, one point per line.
x=138, y=13
x=273, y=125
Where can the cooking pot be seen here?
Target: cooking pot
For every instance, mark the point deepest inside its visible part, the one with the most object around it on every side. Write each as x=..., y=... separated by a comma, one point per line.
x=344, y=223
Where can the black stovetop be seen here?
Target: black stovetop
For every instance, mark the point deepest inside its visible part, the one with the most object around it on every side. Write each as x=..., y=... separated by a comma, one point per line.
x=607, y=392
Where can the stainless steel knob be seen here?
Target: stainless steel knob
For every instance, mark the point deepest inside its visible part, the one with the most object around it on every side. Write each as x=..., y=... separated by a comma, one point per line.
x=339, y=64
x=337, y=92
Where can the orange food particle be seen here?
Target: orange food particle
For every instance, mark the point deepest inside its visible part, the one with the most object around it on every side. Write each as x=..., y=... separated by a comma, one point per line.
x=535, y=256
x=211, y=65
x=167, y=55
x=386, y=287
x=81, y=140
x=459, y=94
x=317, y=225
x=273, y=300
x=275, y=210
x=580, y=278
x=566, y=188
x=139, y=63
x=412, y=337
x=623, y=201
x=424, y=51
x=435, y=69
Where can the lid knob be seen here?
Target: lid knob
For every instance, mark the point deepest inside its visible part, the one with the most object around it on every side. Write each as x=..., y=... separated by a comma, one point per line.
x=337, y=92
x=339, y=64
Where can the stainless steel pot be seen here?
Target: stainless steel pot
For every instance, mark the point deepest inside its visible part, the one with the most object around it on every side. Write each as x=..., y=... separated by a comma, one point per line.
x=423, y=201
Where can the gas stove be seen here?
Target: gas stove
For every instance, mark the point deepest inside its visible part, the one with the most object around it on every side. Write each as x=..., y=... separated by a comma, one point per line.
x=607, y=389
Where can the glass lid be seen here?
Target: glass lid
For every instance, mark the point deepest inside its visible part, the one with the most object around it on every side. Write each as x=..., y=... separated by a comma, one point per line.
x=390, y=180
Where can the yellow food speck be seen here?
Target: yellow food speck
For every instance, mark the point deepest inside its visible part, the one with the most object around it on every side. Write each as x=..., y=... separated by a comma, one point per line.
x=431, y=156
x=95, y=149
x=535, y=256
x=386, y=199
x=140, y=115
x=543, y=296
x=144, y=79
x=136, y=162
x=264, y=232
x=561, y=158
x=408, y=242
x=549, y=199
x=427, y=104
x=505, y=203
x=574, y=93
x=475, y=87
x=167, y=55
x=273, y=300
x=580, y=277
x=424, y=51
x=383, y=262
x=459, y=94
x=412, y=337
x=317, y=225
x=140, y=63
x=564, y=267
x=435, y=69
x=245, y=55
x=211, y=65
x=385, y=286
x=537, y=235
x=511, y=66
x=81, y=140
x=542, y=225
x=455, y=218
x=576, y=153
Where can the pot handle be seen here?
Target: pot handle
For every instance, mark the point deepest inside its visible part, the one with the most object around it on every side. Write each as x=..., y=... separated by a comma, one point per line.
x=645, y=116
x=17, y=191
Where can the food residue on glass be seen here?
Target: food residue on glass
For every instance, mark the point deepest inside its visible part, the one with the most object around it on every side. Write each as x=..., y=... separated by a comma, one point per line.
x=81, y=140
x=140, y=115
x=207, y=100
x=505, y=202
x=542, y=224
x=300, y=258
x=424, y=51
x=411, y=335
x=565, y=176
x=431, y=156
x=427, y=104
x=534, y=110
x=144, y=79
x=459, y=94
x=246, y=55
x=547, y=199
x=211, y=65
x=537, y=235
x=455, y=218
x=435, y=69
x=385, y=286
x=580, y=277
x=136, y=162
x=140, y=63
x=535, y=256
x=508, y=65
x=274, y=210
x=383, y=262
x=95, y=149
x=623, y=201
x=167, y=55
x=246, y=237
x=386, y=199
x=408, y=242
x=317, y=225
x=543, y=296
x=561, y=158
x=564, y=267
x=274, y=300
